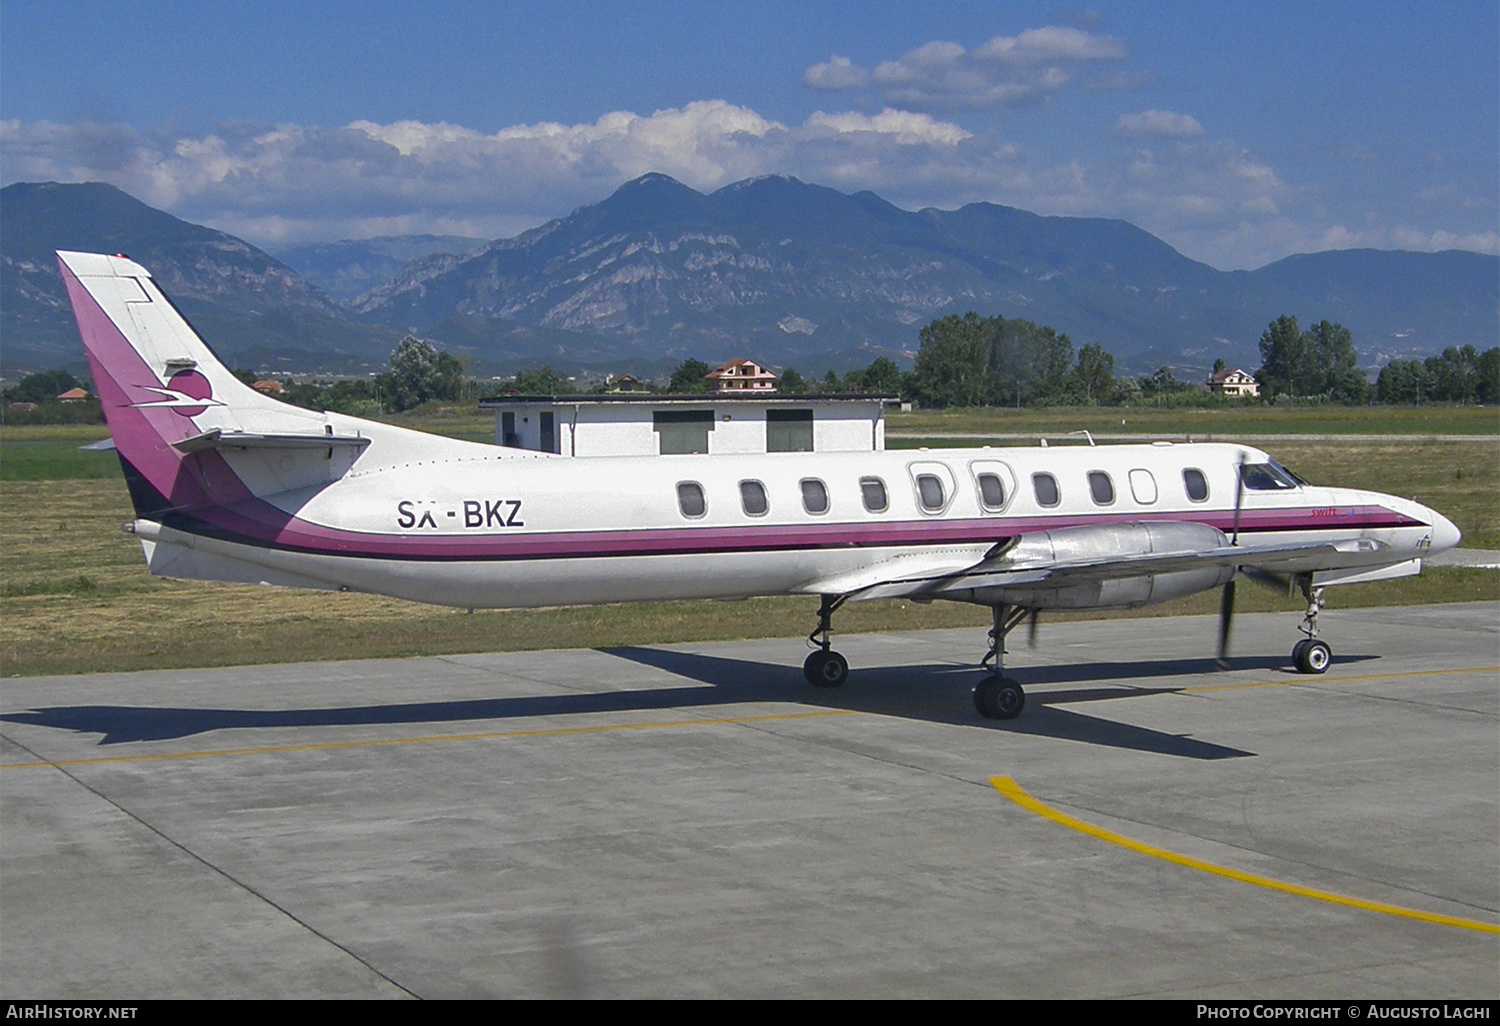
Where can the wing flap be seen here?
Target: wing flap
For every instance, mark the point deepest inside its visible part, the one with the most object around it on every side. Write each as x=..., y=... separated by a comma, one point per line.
x=893, y=578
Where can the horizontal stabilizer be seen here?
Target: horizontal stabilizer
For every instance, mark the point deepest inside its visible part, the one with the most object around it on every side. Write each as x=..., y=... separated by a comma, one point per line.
x=216, y=438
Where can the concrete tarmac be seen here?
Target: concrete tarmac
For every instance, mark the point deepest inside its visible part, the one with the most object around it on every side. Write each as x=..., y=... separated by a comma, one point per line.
x=695, y=821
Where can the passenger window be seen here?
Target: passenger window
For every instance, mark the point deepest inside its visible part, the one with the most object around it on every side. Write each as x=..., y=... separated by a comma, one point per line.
x=1101, y=488
x=690, y=499
x=872, y=489
x=1196, y=485
x=930, y=493
x=1143, y=487
x=991, y=492
x=1045, y=486
x=753, y=498
x=814, y=495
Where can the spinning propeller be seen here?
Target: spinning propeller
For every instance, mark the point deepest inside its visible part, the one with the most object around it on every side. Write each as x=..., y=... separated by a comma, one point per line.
x=1265, y=577
x=1226, y=600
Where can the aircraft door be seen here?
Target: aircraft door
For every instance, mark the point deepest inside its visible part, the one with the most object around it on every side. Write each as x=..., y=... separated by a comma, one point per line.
x=994, y=484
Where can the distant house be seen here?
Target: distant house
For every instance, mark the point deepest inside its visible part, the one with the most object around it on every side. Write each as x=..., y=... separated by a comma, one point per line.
x=742, y=376
x=267, y=387
x=73, y=395
x=624, y=383
x=1236, y=384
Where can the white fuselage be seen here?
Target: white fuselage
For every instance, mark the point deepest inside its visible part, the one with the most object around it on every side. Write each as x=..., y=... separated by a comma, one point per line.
x=469, y=525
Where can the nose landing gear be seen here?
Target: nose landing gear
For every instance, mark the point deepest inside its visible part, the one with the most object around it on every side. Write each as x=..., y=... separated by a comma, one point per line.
x=1311, y=655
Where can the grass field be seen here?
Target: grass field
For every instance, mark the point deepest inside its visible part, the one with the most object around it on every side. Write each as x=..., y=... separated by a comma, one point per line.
x=75, y=596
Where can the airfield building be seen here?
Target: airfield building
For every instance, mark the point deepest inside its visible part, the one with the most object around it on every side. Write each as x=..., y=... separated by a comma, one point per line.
x=636, y=424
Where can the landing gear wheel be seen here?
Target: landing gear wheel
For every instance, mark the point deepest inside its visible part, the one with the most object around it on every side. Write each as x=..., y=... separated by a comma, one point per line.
x=999, y=698
x=825, y=669
x=1312, y=656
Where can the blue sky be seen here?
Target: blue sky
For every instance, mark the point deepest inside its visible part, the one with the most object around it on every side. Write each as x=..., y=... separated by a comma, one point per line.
x=1238, y=132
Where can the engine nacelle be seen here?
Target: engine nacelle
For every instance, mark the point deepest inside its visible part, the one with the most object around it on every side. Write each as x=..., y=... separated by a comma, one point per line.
x=1045, y=549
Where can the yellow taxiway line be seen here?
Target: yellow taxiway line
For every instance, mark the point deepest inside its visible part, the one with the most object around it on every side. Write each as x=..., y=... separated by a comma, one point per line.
x=1010, y=789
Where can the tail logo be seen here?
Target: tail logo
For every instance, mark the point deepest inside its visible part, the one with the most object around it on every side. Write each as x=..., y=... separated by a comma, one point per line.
x=188, y=393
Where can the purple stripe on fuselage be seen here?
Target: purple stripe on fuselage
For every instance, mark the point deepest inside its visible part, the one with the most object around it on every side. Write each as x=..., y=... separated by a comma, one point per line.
x=247, y=523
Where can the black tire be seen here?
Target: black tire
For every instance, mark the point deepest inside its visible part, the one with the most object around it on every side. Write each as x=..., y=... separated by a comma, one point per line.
x=1299, y=652
x=825, y=669
x=1316, y=657
x=999, y=698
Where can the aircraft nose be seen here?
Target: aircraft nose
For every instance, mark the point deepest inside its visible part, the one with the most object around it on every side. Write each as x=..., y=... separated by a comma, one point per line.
x=1444, y=535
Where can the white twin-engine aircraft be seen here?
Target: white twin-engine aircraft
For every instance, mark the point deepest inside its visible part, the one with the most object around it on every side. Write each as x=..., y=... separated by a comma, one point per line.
x=230, y=485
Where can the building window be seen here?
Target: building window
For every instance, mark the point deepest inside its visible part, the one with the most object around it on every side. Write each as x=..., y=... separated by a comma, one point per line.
x=1045, y=486
x=549, y=431
x=814, y=495
x=789, y=431
x=1101, y=488
x=508, y=436
x=753, y=498
x=690, y=499
x=682, y=431
x=1196, y=485
x=872, y=489
x=991, y=492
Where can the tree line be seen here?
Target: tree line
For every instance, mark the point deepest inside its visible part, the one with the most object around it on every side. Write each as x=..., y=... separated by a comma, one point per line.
x=965, y=360
x=996, y=361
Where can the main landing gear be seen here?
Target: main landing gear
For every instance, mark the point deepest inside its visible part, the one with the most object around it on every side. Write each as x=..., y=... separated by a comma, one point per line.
x=1311, y=655
x=824, y=667
x=997, y=697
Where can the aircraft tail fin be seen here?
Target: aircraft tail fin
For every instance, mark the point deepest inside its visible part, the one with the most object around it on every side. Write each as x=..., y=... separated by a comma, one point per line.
x=161, y=388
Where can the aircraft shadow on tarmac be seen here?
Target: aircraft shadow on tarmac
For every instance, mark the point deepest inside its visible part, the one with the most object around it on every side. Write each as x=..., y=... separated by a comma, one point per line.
x=934, y=692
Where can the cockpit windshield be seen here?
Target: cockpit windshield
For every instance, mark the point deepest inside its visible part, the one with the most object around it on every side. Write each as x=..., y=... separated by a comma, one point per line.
x=1289, y=472
x=1267, y=477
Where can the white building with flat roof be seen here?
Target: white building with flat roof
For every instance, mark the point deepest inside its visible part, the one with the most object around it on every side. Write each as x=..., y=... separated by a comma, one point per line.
x=633, y=424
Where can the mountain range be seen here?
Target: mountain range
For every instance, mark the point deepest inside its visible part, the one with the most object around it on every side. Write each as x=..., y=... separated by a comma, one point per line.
x=772, y=268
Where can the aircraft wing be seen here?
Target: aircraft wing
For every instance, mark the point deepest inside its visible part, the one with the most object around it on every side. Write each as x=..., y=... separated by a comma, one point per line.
x=1272, y=558
x=900, y=580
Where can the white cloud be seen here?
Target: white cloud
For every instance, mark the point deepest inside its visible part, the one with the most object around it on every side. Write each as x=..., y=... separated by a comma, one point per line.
x=1051, y=43
x=1006, y=71
x=1406, y=237
x=1162, y=124
x=294, y=183
x=837, y=73
x=906, y=128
